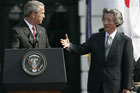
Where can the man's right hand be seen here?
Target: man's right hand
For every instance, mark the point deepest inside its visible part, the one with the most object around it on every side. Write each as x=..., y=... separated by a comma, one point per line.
x=65, y=42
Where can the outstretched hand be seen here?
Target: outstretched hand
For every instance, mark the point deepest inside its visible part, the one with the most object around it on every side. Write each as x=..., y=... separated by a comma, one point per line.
x=65, y=42
x=126, y=91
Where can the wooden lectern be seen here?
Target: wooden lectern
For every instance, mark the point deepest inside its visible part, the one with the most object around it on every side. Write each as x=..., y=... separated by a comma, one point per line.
x=21, y=75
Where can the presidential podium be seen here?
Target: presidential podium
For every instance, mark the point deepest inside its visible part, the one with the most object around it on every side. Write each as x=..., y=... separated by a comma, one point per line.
x=34, y=70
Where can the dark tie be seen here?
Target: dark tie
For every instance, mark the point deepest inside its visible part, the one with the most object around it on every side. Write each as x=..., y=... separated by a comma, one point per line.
x=34, y=31
x=107, y=46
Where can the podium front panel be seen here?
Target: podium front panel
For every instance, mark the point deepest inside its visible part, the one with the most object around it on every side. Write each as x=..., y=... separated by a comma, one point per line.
x=54, y=76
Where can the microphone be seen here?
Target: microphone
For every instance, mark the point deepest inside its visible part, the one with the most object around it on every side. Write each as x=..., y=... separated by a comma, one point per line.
x=37, y=37
x=32, y=40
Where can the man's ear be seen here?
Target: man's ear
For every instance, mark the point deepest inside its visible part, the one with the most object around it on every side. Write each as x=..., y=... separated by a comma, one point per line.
x=33, y=14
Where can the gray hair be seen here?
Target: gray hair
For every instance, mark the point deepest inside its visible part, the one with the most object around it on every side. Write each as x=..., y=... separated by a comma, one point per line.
x=118, y=19
x=32, y=6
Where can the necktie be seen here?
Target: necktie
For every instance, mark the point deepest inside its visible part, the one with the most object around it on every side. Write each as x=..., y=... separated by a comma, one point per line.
x=107, y=46
x=34, y=31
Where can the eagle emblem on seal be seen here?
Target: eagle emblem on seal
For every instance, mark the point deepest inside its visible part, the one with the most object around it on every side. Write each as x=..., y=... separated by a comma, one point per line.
x=34, y=63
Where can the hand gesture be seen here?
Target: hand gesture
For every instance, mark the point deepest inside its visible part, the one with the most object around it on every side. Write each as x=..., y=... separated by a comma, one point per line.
x=126, y=91
x=65, y=42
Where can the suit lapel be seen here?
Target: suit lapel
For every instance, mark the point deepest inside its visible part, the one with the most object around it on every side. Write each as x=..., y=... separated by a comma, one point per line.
x=114, y=45
x=27, y=32
x=26, y=29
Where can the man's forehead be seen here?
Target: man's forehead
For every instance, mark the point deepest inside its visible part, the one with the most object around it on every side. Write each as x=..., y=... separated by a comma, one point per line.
x=108, y=15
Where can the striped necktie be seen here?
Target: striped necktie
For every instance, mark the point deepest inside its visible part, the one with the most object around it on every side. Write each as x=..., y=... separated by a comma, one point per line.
x=107, y=46
x=34, y=31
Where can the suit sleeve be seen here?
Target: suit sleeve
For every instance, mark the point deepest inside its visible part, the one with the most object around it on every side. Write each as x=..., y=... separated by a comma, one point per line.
x=13, y=39
x=82, y=48
x=128, y=65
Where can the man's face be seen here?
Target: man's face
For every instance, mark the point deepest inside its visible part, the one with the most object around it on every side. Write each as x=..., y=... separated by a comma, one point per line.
x=108, y=22
x=40, y=16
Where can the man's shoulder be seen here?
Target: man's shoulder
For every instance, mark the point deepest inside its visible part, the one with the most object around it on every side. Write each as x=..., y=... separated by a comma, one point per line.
x=125, y=37
x=20, y=25
x=41, y=28
x=98, y=34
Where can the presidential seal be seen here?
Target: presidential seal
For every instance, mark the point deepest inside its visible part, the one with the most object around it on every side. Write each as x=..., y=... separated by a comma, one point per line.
x=34, y=63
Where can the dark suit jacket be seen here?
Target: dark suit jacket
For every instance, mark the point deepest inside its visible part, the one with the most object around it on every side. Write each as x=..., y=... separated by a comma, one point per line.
x=21, y=37
x=116, y=73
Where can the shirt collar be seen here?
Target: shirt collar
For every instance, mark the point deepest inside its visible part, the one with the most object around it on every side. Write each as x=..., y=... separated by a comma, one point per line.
x=29, y=25
x=112, y=35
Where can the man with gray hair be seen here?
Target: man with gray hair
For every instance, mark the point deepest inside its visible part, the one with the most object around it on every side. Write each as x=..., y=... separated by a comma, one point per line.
x=111, y=56
x=28, y=33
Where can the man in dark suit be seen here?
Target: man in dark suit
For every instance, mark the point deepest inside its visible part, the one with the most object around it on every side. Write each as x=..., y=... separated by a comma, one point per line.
x=110, y=73
x=28, y=33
